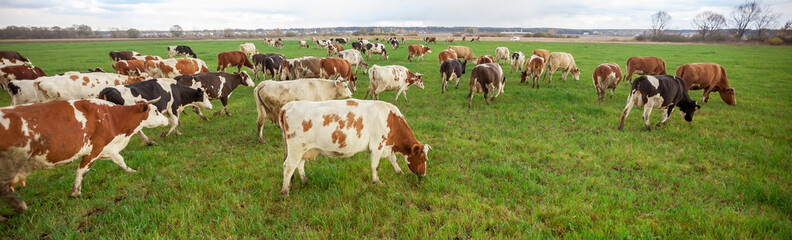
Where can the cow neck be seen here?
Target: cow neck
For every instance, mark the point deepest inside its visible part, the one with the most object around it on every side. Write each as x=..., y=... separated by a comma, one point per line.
x=400, y=136
x=125, y=119
x=410, y=77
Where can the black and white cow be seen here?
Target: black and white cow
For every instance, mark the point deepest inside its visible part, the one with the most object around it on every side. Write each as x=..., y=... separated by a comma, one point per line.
x=394, y=43
x=376, y=48
x=659, y=92
x=267, y=62
x=180, y=50
x=360, y=46
x=342, y=40
x=173, y=98
x=451, y=69
x=218, y=85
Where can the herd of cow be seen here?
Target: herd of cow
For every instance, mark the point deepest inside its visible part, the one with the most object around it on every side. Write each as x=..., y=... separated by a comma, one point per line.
x=97, y=113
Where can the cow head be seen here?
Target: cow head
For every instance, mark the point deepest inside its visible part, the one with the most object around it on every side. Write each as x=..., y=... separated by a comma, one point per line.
x=245, y=79
x=575, y=73
x=285, y=71
x=154, y=118
x=342, y=89
x=417, y=158
x=203, y=100
x=417, y=80
x=524, y=76
x=728, y=96
x=687, y=107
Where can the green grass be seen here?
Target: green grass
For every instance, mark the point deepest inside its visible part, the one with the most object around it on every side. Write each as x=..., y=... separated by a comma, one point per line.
x=534, y=164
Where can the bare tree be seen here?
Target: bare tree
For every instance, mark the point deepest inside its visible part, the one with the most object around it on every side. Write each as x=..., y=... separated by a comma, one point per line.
x=764, y=21
x=660, y=21
x=708, y=22
x=742, y=16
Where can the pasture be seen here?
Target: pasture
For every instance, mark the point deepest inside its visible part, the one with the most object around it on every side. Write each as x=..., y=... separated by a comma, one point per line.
x=536, y=163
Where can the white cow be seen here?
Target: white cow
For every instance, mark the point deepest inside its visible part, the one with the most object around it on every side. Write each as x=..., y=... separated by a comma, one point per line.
x=272, y=95
x=69, y=86
x=376, y=48
x=517, y=61
x=303, y=44
x=249, y=49
x=561, y=61
x=172, y=67
x=343, y=128
x=147, y=57
x=392, y=77
x=502, y=53
x=323, y=43
x=354, y=58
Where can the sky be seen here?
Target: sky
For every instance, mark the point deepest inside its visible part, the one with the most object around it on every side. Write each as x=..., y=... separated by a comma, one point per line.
x=266, y=14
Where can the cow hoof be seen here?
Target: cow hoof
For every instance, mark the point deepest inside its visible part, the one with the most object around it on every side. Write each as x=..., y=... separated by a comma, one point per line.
x=164, y=134
x=152, y=143
x=377, y=182
x=228, y=114
x=285, y=193
x=76, y=194
x=21, y=207
x=304, y=180
x=216, y=113
x=129, y=170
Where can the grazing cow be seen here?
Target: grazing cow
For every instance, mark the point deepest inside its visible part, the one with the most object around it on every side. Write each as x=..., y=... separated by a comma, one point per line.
x=272, y=95
x=392, y=77
x=430, y=39
x=464, y=38
x=502, y=53
x=132, y=67
x=517, y=61
x=232, y=59
x=172, y=67
x=606, y=76
x=303, y=44
x=249, y=49
x=542, y=53
x=14, y=55
x=515, y=39
x=449, y=40
x=394, y=43
x=334, y=49
x=323, y=43
x=451, y=69
x=173, y=98
x=217, y=85
x=487, y=78
x=417, y=50
x=279, y=44
x=463, y=52
x=354, y=58
x=402, y=38
x=645, y=66
x=70, y=86
x=267, y=62
x=270, y=41
x=123, y=55
x=19, y=72
x=445, y=55
x=707, y=76
x=533, y=68
x=180, y=50
x=659, y=92
x=376, y=48
x=146, y=58
x=304, y=67
x=342, y=40
x=564, y=62
x=52, y=134
x=360, y=46
x=347, y=127
x=332, y=68
x=485, y=59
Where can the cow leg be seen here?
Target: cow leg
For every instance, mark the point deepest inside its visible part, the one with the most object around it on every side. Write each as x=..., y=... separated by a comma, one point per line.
x=12, y=199
x=145, y=138
x=301, y=170
x=457, y=82
x=705, y=96
x=174, y=122
x=223, y=100
x=85, y=165
x=550, y=77
x=375, y=159
x=405, y=98
x=564, y=75
x=397, y=96
x=666, y=115
x=445, y=82
x=392, y=159
x=198, y=111
x=470, y=98
x=647, y=112
x=629, y=76
x=612, y=91
x=119, y=160
x=626, y=111
x=289, y=165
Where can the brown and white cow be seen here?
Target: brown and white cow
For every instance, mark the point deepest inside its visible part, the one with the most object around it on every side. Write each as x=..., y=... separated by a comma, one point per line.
x=561, y=61
x=533, y=69
x=48, y=135
x=354, y=58
x=659, y=92
x=19, y=72
x=232, y=59
x=708, y=76
x=11, y=62
x=463, y=52
x=427, y=40
x=502, y=53
x=14, y=55
x=402, y=39
x=132, y=67
x=304, y=67
x=449, y=40
x=303, y=44
x=645, y=66
x=271, y=96
x=486, y=78
x=218, y=85
x=70, y=86
x=417, y=50
x=338, y=68
x=279, y=44
x=172, y=67
x=123, y=55
x=334, y=49
x=446, y=55
x=485, y=59
x=343, y=128
x=145, y=58
x=606, y=76
x=517, y=61
x=390, y=78
x=542, y=53
x=249, y=49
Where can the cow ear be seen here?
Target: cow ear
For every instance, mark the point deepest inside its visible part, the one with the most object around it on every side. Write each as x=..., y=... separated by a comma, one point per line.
x=143, y=106
x=416, y=149
x=337, y=83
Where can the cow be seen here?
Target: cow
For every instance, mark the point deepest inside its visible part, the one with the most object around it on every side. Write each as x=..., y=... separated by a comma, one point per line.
x=659, y=92
x=333, y=49
x=464, y=38
x=267, y=62
x=11, y=62
x=606, y=76
x=402, y=38
x=279, y=44
x=271, y=96
x=645, y=66
x=347, y=127
x=430, y=39
x=123, y=55
x=303, y=44
x=19, y=72
x=232, y=59
x=304, y=67
x=708, y=76
x=360, y=46
x=132, y=67
x=533, y=68
x=52, y=134
x=417, y=50
x=146, y=58
x=217, y=85
x=542, y=53
x=270, y=41
x=354, y=58
x=70, y=86
x=249, y=49
x=473, y=39
x=390, y=78
x=332, y=68
x=173, y=98
x=451, y=69
x=561, y=61
x=445, y=55
x=394, y=43
x=180, y=50
x=485, y=59
x=487, y=78
x=463, y=52
x=14, y=55
x=517, y=61
x=323, y=43
x=172, y=67
x=449, y=40
x=342, y=40
x=502, y=53
x=376, y=48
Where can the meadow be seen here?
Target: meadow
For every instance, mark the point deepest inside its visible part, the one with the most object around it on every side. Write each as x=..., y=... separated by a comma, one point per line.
x=536, y=163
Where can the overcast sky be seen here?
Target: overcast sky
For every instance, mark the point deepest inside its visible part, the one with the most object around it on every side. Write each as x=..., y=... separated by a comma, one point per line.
x=207, y=14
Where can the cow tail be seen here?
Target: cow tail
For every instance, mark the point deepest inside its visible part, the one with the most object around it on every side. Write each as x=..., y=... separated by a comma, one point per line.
x=260, y=107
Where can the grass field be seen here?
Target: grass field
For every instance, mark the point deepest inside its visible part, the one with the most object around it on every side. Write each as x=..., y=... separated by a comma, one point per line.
x=534, y=164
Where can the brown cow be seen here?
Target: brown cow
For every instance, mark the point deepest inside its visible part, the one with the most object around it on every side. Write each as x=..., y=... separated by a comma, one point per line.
x=449, y=40
x=334, y=49
x=533, y=68
x=304, y=67
x=417, y=50
x=232, y=59
x=130, y=67
x=445, y=55
x=430, y=39
x=645, y=66
x=486, y=78
x=707, y=76
x=542, y=53
x=463, y=52
x=485, y=59
x=606, y=76
x=331, y=68
x=19, y=72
